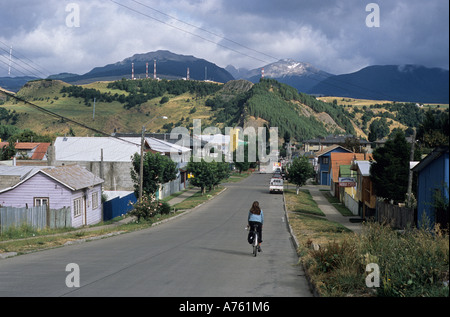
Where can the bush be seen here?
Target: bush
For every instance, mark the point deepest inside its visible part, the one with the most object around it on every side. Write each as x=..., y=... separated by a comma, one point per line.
x=145, y=209
x=412, y=263
x=164, y=208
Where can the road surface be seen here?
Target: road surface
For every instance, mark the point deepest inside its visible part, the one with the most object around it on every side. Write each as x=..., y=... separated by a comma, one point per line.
x=201, y=254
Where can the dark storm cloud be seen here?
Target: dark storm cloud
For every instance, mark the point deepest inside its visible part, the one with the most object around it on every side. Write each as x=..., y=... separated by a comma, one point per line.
x=331, y=35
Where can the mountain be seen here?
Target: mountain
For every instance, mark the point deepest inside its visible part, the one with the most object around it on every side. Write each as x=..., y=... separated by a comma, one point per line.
x=168, y=65
x=406, y=83
x=14, y=83
x=300, y=75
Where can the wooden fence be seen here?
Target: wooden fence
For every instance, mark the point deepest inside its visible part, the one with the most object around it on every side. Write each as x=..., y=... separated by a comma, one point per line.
x=397, y=217
x=36, y=217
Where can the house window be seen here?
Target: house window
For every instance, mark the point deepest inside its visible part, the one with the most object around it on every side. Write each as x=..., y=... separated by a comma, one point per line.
x=40, y=201
x=325, y=160
x=77, y=207
x=95, y=200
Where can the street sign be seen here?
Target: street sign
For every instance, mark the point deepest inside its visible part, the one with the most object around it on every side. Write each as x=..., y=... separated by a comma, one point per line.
x=347, y=182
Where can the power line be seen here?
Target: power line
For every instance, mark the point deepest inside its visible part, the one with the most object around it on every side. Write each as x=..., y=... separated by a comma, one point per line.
x=189, y=32
x=207, y=31
x=336, y=84
x=35, y=67
x=60, y=117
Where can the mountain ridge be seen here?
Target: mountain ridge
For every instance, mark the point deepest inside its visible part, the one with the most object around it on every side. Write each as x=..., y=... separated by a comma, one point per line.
x=405, y=83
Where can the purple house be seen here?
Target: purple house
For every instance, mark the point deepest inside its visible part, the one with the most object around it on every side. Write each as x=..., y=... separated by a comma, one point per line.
x=57, y=187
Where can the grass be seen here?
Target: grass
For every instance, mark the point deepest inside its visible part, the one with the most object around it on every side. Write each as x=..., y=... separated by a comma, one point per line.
x=108, y=116
x=302, y=203
x=237, y=177
x=412, y=263
x=197, y=199
x=337, y=204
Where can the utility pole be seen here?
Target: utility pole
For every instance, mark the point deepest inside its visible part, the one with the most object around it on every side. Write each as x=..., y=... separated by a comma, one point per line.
x=410, y=177
x=93, y=112
x=141, y=168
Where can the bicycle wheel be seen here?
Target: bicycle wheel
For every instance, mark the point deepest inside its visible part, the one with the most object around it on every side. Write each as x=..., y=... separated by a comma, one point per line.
x=255, y=244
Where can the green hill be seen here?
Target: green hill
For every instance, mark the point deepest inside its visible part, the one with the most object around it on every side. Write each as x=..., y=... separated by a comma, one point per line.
x=124, y=106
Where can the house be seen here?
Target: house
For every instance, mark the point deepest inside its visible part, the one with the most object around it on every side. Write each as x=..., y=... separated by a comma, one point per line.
x=323, y=163
x=338, y=159
x=321, y=143
x=432, y=180
x=56, y=187
x=30, y=153
x=110, y=158
x=365, y=193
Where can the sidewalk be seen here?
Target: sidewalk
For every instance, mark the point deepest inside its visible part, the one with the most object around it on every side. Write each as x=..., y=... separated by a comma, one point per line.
x=188, y=193
x=328, y=209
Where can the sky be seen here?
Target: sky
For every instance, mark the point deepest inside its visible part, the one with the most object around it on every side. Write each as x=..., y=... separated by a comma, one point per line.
x=336, y=36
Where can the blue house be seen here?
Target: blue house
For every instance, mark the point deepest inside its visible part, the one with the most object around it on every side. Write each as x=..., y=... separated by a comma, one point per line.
x=432, y=179
x=323, y=163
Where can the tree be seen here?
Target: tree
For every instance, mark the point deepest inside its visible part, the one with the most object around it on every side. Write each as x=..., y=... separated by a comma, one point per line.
x=390, y=169
x=158, y=169
x=202, y=174
x=7, y=151
x=221, y=171
x=245, y=164
x=378, y=129
x=207, y=174
x=300, y=171
x=434, y=130
x=29, y=136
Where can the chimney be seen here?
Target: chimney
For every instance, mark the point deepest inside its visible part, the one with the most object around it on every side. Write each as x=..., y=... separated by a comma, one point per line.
x=51, y=155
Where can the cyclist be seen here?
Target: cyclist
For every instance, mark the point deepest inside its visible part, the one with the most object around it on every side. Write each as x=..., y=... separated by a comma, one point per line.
x=256, y=219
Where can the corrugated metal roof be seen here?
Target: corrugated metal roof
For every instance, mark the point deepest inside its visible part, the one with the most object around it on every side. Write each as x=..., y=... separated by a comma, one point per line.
x=88, y=149
x=21, y=171
x=364, y=167
x=165, y=147
x=73, y=176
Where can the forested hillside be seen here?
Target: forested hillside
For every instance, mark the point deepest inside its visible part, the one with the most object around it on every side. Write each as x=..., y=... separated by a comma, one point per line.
x=278, y=104
x=126, y=105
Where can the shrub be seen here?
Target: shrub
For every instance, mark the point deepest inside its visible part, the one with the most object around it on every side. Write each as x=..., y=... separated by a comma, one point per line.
x=164, y=208
x=145, y=209
x=412, y=263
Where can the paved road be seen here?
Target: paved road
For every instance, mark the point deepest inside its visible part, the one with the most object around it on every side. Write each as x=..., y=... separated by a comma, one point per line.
x=202, y=254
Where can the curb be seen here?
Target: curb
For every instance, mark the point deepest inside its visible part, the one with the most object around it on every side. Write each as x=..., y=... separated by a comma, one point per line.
x=126, y=220
x=312, y=287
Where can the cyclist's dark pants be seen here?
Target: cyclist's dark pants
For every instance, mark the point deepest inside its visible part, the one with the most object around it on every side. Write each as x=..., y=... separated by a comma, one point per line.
x=258, y=229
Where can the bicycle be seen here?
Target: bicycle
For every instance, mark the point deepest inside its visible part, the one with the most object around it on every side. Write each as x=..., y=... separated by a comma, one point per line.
x=254, y=243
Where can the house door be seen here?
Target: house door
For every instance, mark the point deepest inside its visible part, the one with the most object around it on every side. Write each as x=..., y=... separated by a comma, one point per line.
x=83, y=210
x=324, y=179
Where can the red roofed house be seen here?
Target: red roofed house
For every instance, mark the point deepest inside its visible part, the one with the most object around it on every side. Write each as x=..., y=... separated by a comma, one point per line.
x=338, y=159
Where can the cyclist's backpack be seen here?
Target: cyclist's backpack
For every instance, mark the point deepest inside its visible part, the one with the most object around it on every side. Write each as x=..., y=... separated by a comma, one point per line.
x=251, y=237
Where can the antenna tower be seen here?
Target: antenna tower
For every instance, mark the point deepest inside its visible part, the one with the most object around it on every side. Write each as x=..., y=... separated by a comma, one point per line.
x=154, y=69
x=188, y=73
x=10, y=59
x=146, y=70
x=132, y=71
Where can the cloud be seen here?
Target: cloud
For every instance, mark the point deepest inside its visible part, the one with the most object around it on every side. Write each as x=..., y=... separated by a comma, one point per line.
x=331, y=35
